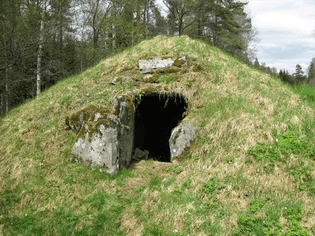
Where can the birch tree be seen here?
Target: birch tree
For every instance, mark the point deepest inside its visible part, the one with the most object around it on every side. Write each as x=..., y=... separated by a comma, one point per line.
x=40, y=52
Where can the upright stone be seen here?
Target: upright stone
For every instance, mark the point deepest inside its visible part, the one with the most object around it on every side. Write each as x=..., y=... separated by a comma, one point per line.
x=98, y=146
x=105, y=139
x=126, y=112
x=181, y=137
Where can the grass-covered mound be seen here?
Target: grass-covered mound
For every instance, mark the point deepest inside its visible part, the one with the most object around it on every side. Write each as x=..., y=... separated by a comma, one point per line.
x=249, y=172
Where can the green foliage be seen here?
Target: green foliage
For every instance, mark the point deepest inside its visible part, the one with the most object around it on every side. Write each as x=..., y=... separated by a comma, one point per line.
x=26, y=225
x=152, y=230
x=141, y=188
x=280, y=151
x=168, y=79
x=269, y=168
x=97, y=200
x=8, y=198
x=293, y=210
x=249, y=224
x=211, y=228
x=177, y=169
x=295, y=229
x=306, y=92
x=186, y=184
x=212, y=186
x=312, y=188
x=181, y=188
x=281, y=148
x=255, y=205
x=230, y=159
x=155, y=183
x=168, y=182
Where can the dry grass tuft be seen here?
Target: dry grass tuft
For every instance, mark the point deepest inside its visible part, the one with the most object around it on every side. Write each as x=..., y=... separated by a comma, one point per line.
x=131, y=224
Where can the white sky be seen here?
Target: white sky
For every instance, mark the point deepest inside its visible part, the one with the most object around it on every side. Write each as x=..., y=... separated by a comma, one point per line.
x=286, y=32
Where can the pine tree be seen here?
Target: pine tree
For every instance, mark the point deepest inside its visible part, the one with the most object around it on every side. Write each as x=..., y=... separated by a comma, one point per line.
x=256, y=63
x=281, y=74
x=298, y=74
x=311, y=70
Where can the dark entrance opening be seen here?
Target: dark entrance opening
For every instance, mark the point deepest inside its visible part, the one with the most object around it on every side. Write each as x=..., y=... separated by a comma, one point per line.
x=156, y=116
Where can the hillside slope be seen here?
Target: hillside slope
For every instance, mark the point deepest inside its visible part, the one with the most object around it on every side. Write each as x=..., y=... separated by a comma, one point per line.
x=249, y=172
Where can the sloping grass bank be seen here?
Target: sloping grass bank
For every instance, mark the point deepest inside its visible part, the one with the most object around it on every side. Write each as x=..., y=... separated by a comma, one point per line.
x=249, y=172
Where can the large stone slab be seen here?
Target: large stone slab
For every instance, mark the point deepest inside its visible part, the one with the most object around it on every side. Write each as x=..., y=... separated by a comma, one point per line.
x=181, y=137
x=125, y=109
x=146, y=66
x=100, y=148
x=105, y=139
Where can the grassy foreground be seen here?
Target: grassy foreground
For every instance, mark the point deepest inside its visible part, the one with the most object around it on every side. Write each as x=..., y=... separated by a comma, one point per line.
x=249, y=172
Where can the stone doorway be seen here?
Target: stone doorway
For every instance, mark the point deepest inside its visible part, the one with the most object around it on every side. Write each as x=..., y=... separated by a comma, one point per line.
x=156, y=115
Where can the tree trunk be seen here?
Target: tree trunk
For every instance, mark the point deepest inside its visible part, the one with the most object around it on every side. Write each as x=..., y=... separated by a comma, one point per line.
x=198, y=27
x=147, y=18
x=138, y=24
x=114, y=37
x=7, y=92
x=94, y=26
x=114, y=27
x=105, y=44
x=180, y=23
x=39, y=57
x=1, y=104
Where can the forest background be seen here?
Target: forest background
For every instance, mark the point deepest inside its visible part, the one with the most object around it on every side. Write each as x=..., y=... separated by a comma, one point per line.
x=44, y=41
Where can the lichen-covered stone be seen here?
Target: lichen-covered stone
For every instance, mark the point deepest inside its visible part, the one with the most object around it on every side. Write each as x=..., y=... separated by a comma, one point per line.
x=181, y=137
x=101, y=149
x=104, y=142
x=126, y=112
x=125, y=80
x=90, y=113
x=146, y=66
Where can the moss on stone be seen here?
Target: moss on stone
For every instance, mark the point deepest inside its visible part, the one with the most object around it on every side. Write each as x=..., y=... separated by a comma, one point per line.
x=178, y=63
x=86, y=116
x=176, y=136
x=197, y=67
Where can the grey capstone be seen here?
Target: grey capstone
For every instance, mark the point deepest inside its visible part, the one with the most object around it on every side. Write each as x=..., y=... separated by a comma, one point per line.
x=146, y=66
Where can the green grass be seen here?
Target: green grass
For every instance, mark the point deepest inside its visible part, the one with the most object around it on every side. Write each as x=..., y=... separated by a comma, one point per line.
x=249, y=172
x=306, y=92
x=270, y=223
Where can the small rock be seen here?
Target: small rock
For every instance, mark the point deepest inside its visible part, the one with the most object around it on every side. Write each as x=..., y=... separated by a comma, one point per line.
x=114, y=81
x=175, y=162
x=127, y=79
x=141, y=155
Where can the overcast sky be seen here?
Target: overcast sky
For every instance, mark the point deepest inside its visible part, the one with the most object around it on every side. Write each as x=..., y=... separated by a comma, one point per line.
x=286, y=32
